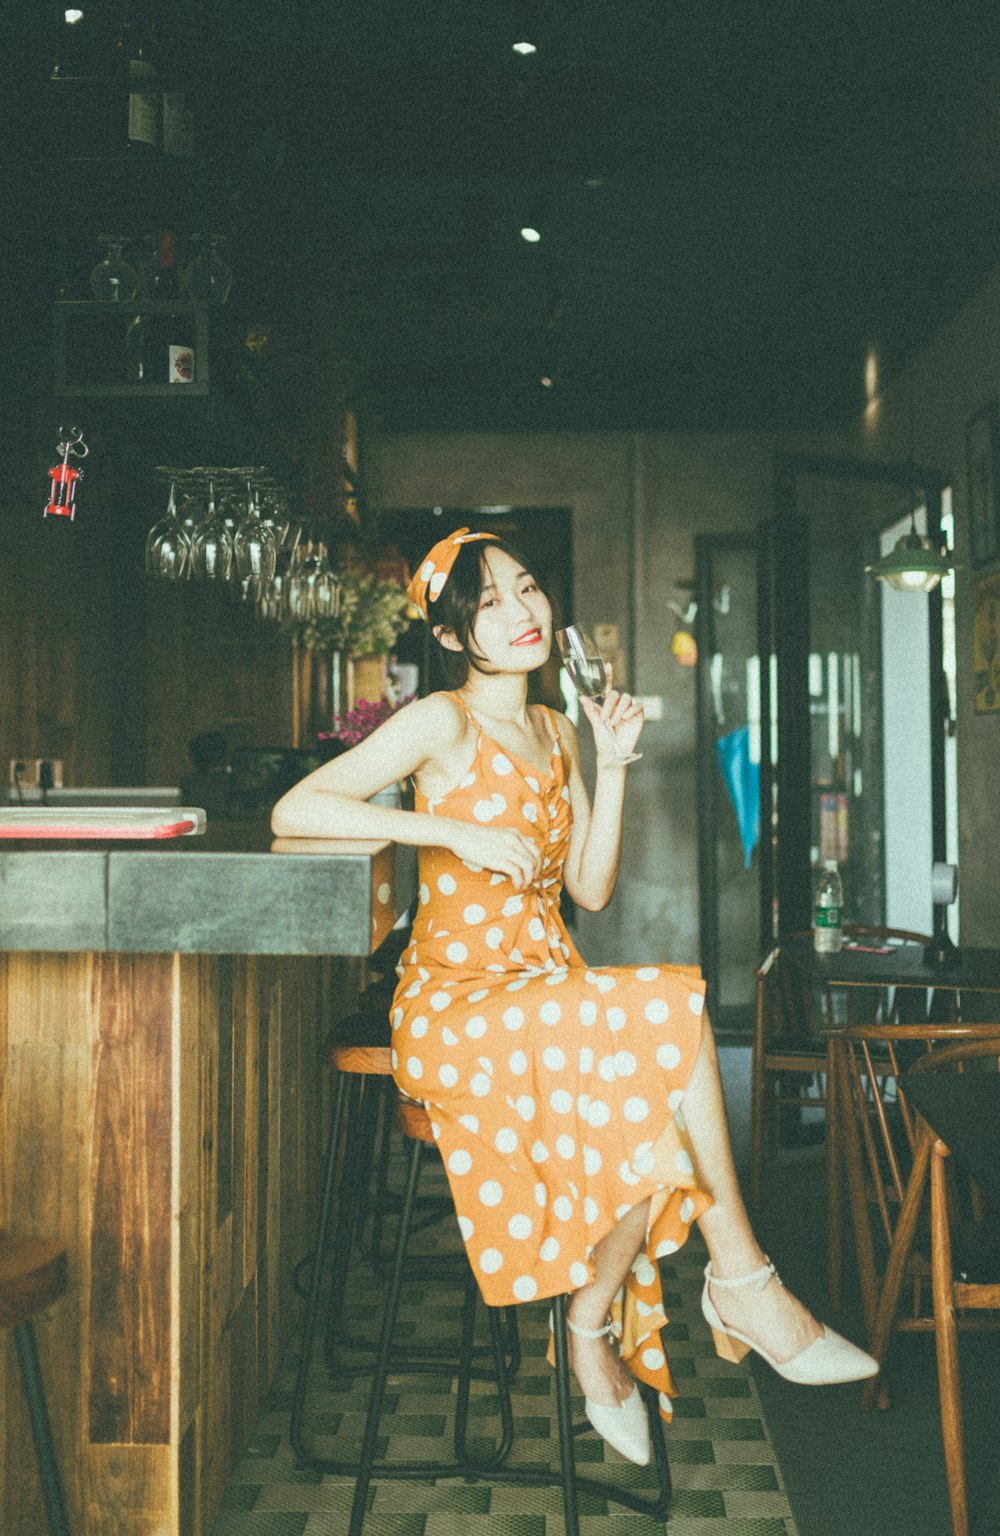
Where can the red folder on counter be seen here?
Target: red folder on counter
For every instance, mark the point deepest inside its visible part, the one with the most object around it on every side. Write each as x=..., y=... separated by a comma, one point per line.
x=100, y=823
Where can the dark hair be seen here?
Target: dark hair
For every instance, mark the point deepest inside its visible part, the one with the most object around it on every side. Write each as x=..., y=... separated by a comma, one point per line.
x=457, y=605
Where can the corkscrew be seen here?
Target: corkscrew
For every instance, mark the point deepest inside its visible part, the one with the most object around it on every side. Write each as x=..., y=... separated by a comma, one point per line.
x=62, y=496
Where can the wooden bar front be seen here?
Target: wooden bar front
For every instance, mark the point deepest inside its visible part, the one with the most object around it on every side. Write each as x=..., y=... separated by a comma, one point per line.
x=161, y=1115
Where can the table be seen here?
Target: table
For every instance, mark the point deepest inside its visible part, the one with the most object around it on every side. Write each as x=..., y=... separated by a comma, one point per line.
x=897, y=965
x=163, y=1013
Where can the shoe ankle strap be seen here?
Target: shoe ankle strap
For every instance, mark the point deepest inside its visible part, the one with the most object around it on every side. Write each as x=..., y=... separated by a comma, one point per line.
x=587, y=1333
x=759, y=1277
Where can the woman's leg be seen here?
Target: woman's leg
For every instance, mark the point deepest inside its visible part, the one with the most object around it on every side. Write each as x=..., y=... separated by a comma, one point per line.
x=772, y=1316
x=602, y=1375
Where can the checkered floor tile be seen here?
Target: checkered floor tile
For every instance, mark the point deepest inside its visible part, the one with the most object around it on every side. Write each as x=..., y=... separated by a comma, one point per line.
x=725, y=1476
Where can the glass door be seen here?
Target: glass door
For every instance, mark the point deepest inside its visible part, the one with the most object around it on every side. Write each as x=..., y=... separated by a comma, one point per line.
x=729, y=760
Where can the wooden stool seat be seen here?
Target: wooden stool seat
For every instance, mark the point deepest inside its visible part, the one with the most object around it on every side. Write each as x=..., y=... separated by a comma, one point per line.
x=32, y=1277
x=413, y=1120
x=33, y=1274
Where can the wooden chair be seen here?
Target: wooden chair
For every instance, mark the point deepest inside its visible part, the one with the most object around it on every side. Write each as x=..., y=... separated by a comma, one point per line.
x=32, y=1277
x=789, y=1065
x=953, y=1299
x=878, y=1142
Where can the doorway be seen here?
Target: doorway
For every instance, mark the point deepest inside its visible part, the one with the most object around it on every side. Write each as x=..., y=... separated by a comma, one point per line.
x=835, y=701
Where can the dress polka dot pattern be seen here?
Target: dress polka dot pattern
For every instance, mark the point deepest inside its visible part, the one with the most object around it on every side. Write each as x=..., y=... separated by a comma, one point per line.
x=554, y=1089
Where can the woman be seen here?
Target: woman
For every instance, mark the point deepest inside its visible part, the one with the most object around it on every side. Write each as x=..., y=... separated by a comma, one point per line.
x=555, y=1090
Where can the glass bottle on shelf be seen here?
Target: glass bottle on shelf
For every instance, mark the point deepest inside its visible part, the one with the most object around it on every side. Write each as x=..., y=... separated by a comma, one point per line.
x=168, y=340
x=207, y=279
x=135, y=53
x=113, y=280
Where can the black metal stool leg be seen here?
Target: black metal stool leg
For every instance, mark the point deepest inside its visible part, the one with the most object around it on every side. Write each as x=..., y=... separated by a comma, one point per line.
x=316, y=1283
x=41, y=1430
x=387, y=1099
x=499, y=1346
x=564, y=1415
x=353, y=1179
x=381, y=1371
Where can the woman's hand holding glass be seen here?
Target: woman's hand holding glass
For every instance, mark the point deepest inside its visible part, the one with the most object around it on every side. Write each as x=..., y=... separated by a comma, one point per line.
x=618, y=721
x=616, y=717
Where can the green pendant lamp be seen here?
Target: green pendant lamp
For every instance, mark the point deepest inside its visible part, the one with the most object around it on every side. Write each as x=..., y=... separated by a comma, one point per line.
x=913, y=565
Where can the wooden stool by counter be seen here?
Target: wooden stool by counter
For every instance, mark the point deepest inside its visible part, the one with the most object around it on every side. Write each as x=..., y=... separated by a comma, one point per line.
x=32, y=1277
x=360, y=1055
x=415, y=1124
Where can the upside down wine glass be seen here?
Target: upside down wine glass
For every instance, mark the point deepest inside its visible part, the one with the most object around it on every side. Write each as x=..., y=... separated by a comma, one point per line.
x=588, y=672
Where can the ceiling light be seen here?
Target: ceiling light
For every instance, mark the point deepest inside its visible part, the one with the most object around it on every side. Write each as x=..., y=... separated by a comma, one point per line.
x=913, y=565
x=546, y=381
x=531, y=235
x=72, y=17
x=524, y=49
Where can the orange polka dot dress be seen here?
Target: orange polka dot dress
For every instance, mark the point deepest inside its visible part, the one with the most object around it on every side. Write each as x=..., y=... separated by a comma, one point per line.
x=554, y=1088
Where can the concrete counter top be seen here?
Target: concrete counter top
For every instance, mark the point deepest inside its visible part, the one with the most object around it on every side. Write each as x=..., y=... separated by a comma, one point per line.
x=236, y=890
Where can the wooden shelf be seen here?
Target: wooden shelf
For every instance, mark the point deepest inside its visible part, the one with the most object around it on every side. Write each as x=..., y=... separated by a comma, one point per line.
x=84, y=314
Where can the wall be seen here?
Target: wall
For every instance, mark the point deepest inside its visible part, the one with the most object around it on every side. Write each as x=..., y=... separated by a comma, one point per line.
x=950, y=382
x=637, y=502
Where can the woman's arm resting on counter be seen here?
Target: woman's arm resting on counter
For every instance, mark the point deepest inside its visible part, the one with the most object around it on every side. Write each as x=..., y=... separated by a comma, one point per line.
x=332, y=801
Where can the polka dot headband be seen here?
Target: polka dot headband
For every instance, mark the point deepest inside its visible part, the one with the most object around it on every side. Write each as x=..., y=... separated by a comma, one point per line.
x=435, y=568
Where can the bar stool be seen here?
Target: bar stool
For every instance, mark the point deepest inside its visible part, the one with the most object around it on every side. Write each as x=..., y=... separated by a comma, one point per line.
x=32, y=1277
x=360, y=1055
x=414, y=1123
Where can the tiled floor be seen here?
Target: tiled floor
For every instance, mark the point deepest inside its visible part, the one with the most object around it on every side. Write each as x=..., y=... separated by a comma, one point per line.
x=725, y=1475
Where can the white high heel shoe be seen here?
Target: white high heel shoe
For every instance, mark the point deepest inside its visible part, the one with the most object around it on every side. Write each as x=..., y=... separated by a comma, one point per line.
x=624, y=1425
x=826, y=1361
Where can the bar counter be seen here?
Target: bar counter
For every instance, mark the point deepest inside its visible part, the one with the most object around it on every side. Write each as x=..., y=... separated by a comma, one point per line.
x=163, y=1011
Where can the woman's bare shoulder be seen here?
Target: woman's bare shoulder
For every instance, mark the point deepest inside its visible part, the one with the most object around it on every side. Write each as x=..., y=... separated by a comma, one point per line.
x=437, y=720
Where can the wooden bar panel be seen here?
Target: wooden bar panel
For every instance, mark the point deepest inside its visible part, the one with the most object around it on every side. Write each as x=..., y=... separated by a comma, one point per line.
x=130, y=1200
x=113, y=1135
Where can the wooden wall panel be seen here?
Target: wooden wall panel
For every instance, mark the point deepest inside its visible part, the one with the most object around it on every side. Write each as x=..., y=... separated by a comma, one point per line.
x=109, y=1114
x=131, y=1196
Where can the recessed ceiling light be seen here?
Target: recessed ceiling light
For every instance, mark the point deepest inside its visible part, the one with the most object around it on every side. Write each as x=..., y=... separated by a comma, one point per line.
x=524, y=49
x=531, y=235
x=72, y=17
x=545, y=381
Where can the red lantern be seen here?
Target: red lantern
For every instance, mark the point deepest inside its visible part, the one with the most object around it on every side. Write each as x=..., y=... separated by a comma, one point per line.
x=62, y=497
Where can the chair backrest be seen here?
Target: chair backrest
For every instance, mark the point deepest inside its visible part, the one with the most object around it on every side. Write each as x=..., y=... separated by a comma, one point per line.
x=876, y=1058
x=784, y=1001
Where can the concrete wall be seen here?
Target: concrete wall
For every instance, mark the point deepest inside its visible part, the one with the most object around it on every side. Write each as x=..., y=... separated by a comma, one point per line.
x=637, y=503
x=949, y=383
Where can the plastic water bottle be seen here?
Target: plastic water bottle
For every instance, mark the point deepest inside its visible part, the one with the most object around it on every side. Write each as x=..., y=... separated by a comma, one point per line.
x=828, y=909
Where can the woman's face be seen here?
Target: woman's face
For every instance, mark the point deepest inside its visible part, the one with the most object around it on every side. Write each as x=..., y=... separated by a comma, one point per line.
x=512, y=630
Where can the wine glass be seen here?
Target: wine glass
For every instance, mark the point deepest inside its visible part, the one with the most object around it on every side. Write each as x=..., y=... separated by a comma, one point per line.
x=588, y=672
x=254, y=544
x=212, y=551
x=168, y=544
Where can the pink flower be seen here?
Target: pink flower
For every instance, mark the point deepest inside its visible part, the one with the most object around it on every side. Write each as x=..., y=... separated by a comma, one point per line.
x=361, y=721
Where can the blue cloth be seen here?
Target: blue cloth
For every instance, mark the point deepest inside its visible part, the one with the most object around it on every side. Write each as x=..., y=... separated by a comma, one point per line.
x=742, y=779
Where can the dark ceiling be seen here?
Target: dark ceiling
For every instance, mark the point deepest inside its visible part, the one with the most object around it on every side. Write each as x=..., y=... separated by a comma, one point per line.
x=736, y=199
